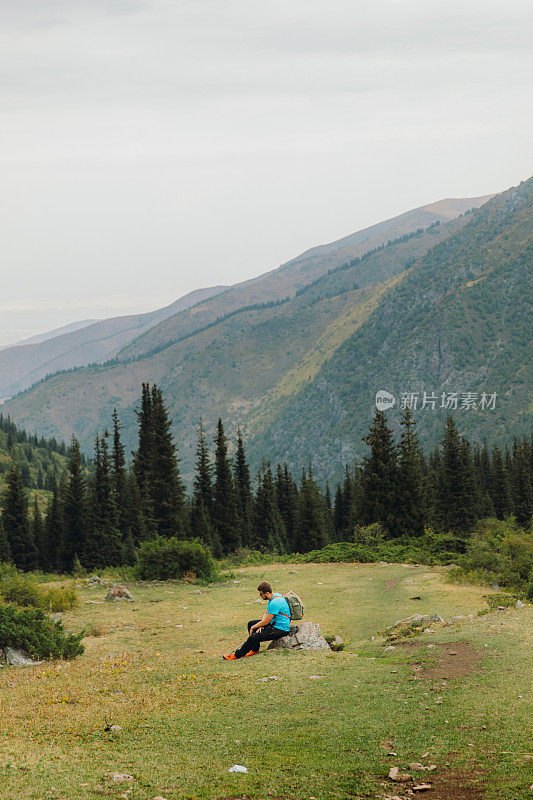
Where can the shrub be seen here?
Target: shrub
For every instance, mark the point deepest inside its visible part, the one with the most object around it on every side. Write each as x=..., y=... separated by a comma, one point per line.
x=501, y=552
x=24, y=591
x=163, y=559
x=29, y=629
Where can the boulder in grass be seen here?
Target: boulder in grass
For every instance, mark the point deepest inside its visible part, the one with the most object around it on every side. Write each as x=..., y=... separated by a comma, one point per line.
x=18, y=658
x=305, y=636
x=119, y=592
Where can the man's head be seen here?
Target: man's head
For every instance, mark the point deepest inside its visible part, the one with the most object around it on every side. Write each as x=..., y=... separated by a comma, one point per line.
x=265, y=590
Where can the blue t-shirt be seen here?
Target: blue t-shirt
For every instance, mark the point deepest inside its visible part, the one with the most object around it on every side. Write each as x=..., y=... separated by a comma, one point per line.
x=282, y=613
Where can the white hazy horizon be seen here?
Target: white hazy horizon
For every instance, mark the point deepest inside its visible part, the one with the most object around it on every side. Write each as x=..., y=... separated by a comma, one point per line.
x=153, y=147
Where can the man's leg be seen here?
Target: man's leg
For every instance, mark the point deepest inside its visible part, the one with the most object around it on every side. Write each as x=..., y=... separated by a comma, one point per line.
x=266, y=634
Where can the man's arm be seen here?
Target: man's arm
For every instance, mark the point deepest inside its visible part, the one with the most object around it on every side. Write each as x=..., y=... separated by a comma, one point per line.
x=262, y=622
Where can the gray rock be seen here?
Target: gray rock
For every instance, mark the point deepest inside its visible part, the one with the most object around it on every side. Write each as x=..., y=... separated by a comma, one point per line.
x=118, y=592
x=18, y=658
x=56, y=617
x=519, y=604
x=305, y=636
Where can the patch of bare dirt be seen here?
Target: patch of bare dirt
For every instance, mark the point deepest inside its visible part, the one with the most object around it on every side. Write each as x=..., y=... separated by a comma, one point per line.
x=447, y=785
x=389, y=585
x=452, y=659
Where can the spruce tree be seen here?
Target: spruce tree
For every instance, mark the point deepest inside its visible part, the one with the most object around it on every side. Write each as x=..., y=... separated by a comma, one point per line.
x=338, y=513
x=411, y=506
x=135, y=524
x=224, y=514
x=166, y=489
x=311, y=524
x=286, y=491
x=521, y=484
x=118, y=462
x=379, y=477
x=268, y=528
x=74, y=510
x=40, y=538
x=243, y=493
x=55, y=526
x=16, y=522
x=499, y=485
x=5, y=550
x=102, y=545
x=457, y=501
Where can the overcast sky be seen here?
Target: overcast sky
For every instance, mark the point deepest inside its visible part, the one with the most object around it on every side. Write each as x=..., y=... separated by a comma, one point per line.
x=150, y=148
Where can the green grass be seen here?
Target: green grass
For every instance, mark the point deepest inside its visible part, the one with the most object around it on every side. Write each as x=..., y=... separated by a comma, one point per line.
x=186, y=717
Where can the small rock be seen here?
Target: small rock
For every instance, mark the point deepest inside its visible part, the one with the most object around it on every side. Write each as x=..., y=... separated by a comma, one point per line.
x=337, y=644
x=519, y=604
x=399, y=777
x=197, y=591
x=56, y=617
x=293, y=572
x=452, y=652
x=390, y=647
x=416, y=766
x=238, y=768
x=422, y=787
x=115, y=728
x=315, y=677
x=158, y=797
x=119, y=777
x=199, y=651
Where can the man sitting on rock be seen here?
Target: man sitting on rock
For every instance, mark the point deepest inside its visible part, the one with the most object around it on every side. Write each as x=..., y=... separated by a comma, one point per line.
x=276, y=623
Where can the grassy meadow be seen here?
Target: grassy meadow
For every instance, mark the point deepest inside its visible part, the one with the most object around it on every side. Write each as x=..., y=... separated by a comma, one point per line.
x=306, y=725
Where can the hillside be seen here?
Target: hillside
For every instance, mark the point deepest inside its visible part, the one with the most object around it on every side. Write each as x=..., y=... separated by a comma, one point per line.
x=230, y=368
x=24, y=364
x=286, y=280
x=459, y=321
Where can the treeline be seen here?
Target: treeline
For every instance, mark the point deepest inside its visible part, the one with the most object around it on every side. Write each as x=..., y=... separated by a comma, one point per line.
x=101, y=518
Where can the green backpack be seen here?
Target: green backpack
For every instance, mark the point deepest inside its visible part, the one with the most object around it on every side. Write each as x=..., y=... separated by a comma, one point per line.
x=296, y=607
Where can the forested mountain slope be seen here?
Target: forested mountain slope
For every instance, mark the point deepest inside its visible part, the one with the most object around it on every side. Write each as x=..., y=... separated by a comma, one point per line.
x=235, y=368
x=459, y=321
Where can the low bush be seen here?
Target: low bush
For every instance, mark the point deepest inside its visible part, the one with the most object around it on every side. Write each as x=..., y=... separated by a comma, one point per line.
x=163, y=559
x=30, y=629
x=499, y=552
x=24, y=591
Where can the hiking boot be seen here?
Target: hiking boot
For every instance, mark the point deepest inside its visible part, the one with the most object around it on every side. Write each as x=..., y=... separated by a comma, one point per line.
x=251, y=653
x=231, y=657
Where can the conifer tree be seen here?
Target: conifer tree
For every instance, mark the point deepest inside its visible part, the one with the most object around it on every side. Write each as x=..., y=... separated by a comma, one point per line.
x=286, y=492
x=379, y=477
x=40, y=538
x=269, y=531
x=102, y=545
x=243, y=493
x=135, y=524
x=118, y=462
x=74, y=511
x=411, y=505
x=311, y=525
x=16, y=522
x=521, y=488
x=338, y=513
x=328, y=515
x=166, y=490
x=202, y=497
x=55, y=525
x=457, y=499
x=224, y=514
x=5, y=550
x=499, y=485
